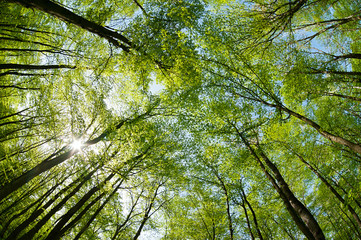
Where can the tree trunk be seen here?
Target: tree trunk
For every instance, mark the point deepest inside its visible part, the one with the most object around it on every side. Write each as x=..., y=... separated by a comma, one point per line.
x=37, y=170
x=35, y=214
x=336, y=139
x=303, y=212
x=31, y=67
x=147, y=213
x=85, y=227
x=49, y=163
x=56, y=231
x=25, y=149
x=129, y=216
x=316, y=71
x=343, y=96
x=64, y=14
x=332, y=189
x=77, y=218
x=30, y=234
x=16, y=39
x=14, y=114
x=350, y=55
x=294, y=214
x=30, y=50
x=38, y=201
x=253, y=213
x=299, y=213
x=21, y=198
x=59, y=229
x=225, y=192
x=21, y=74
x=247, y=218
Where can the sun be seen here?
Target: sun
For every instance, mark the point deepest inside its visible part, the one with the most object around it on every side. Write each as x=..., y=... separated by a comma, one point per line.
x=76, y=145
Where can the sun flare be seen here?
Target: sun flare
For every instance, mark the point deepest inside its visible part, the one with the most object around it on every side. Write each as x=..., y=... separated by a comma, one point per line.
x=76, y=145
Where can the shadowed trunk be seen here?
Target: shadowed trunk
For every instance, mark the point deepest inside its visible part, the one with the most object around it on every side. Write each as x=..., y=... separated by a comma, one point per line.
x=147, y=214
x=31, y=67
x=64, y=14
x=49, y=163
x=299, y=213
x=58, y=230
x=332, y=189
x=225, y=192
x=30, y=234
x=334, y=138
x=92, y=218
x=244, y=197
x=303, y=212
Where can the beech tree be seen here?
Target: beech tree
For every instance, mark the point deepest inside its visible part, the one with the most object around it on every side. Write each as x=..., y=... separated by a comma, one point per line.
x=176, y=119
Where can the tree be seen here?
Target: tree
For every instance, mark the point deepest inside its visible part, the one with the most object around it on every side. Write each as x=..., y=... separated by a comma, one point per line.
x=180, y=119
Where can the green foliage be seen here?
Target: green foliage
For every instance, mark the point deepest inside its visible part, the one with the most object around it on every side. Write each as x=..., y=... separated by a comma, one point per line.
x=242, y=82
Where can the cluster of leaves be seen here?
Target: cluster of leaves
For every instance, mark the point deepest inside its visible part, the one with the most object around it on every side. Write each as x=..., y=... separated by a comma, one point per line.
x=255, y=135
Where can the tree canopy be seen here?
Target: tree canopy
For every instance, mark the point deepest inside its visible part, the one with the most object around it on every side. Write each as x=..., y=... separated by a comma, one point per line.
x=180, y=119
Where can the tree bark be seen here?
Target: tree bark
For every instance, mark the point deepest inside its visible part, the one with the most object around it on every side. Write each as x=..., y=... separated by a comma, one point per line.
x=33, y=67
x=343, y=96
x=60, y=229
x=86, y=226
x=334, y=138
x=77, y=218
x=147, y=213
x=49, y=163
x=243, y=205
x=303, y=212
x=332, y=189
x=21, y=198
x=64, y=14
x=253, y=213
x=56, y=232
x=31, y=50
x=225, y=192
x=38, y=201
x=30, y=234
x=299, y=213
x=21, y=74
x=16, y=39
x=337, y=139
x=294, y=214
x=316, y=71
x=350, y=55
x=14, y=114
x=129, y=216
x=24, y=149
x=35, y=214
